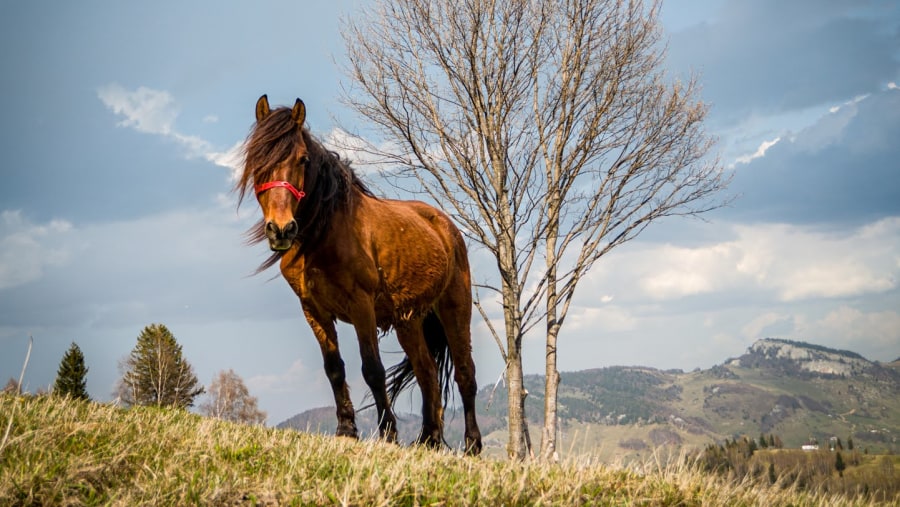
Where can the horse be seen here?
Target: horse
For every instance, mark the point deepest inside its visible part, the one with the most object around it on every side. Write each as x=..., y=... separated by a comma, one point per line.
x=375, y=263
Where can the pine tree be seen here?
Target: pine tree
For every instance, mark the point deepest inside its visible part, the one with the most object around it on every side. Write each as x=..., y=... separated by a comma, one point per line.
x=71, y=375
x=850, y=443
x=839, y=464
x=155, y=373
x=229, y=399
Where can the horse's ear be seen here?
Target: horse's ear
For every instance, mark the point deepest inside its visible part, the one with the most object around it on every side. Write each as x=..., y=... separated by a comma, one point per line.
x=262, y=108
x=299, y=113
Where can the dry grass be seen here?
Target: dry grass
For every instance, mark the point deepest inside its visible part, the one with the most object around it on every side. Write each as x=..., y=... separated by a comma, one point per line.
x=65, y=452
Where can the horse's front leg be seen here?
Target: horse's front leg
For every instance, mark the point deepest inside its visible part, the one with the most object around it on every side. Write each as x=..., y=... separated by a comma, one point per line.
x=323, y=329
x=373, y=372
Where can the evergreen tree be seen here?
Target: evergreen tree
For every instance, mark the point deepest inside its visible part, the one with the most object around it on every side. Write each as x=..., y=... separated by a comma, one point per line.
x=776, y=442
x=839, y=464
x=155, y=373
x=71, y=375
x=772, y=476
x=850, y=443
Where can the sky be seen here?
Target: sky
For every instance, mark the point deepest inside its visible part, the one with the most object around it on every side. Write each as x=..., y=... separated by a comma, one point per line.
x=121, y=121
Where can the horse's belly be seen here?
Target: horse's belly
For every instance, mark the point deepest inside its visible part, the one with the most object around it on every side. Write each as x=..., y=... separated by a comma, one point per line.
x=410, y=290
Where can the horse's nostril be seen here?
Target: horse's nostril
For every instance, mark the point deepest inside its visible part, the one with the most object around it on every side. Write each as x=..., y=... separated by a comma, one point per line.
x=291, y=228
x=271, y=228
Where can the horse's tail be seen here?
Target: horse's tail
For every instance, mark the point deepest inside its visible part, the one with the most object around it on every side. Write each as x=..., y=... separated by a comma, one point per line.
x=400, y=376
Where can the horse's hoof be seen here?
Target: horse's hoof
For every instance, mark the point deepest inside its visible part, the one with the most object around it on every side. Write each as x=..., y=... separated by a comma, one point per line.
x=473, y=447
x=429, y=441
x=348, y=432
x=390, y=437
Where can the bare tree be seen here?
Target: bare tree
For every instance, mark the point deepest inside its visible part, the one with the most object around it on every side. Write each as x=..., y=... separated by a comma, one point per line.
x=229, y=399
x=12, y=387
x=550, y=130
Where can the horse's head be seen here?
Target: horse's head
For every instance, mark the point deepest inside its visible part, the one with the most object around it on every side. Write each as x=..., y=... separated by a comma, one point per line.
x=277, y=159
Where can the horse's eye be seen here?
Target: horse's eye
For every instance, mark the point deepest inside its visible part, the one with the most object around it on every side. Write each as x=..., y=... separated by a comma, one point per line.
x=304, y=160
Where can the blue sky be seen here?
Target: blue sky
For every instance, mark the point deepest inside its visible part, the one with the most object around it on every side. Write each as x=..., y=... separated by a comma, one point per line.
x=120, y=121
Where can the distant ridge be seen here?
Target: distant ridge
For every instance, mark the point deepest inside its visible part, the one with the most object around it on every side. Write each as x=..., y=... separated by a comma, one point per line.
x=811, y=346
x=799, y=359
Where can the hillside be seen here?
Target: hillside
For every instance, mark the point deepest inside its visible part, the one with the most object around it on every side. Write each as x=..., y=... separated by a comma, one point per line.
x=795, y=390
x=58, y=451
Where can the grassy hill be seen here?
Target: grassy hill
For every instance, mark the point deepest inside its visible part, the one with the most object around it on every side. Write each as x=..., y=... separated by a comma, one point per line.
x=56, y=451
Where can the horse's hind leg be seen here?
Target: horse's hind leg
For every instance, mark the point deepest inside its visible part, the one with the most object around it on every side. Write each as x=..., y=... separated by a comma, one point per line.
x=455, y=312
x=412, y=339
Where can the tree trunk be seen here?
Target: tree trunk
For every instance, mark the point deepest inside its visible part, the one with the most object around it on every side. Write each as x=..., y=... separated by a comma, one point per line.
x=519, y=445
x=517, y=449
x=551, y=388
x=551, y=374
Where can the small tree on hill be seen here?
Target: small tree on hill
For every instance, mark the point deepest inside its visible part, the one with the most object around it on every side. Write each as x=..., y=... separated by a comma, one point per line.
x=229, y=399
x=71, y=376
x=839, y=464
x=12, y=387
x=155, y=373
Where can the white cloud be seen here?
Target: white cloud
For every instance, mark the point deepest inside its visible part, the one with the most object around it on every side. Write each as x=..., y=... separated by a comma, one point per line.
x=297, y=374
x=605, y=319
x=873, y=333
x=877, y=332
x=756, y=328
x=27, y=248
x=759, y=153
x=154, y=112
x=232, y=158
x=688, y=271
x=783, y=262
x=799, y=263
x=146, y=110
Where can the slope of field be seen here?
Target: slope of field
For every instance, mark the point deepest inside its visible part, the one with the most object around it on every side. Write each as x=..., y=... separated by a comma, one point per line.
x=57, y=451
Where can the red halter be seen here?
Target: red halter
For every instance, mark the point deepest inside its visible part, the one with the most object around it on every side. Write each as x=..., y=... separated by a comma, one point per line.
x=299, y=194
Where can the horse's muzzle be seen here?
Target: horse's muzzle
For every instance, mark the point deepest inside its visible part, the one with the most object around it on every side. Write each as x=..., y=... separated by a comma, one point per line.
x=281, y=238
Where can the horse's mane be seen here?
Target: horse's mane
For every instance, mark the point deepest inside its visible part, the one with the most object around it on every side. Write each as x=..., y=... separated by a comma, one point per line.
x=330, y=183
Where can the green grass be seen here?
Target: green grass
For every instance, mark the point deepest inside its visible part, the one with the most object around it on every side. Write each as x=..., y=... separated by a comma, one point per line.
x=65, y=452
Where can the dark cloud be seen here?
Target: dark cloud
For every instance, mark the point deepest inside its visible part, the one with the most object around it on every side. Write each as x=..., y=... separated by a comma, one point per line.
x=842, y=169
x=770, y=56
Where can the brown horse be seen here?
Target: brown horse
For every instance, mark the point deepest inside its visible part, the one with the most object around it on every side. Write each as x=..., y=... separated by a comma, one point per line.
x=374, y=263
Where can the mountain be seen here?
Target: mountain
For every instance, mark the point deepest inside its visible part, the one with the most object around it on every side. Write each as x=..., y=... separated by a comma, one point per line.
x=792, y=389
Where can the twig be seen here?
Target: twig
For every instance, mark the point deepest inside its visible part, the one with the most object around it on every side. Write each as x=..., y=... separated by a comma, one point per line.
x=496, y=385
x=490, y=326
x=12, y=414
